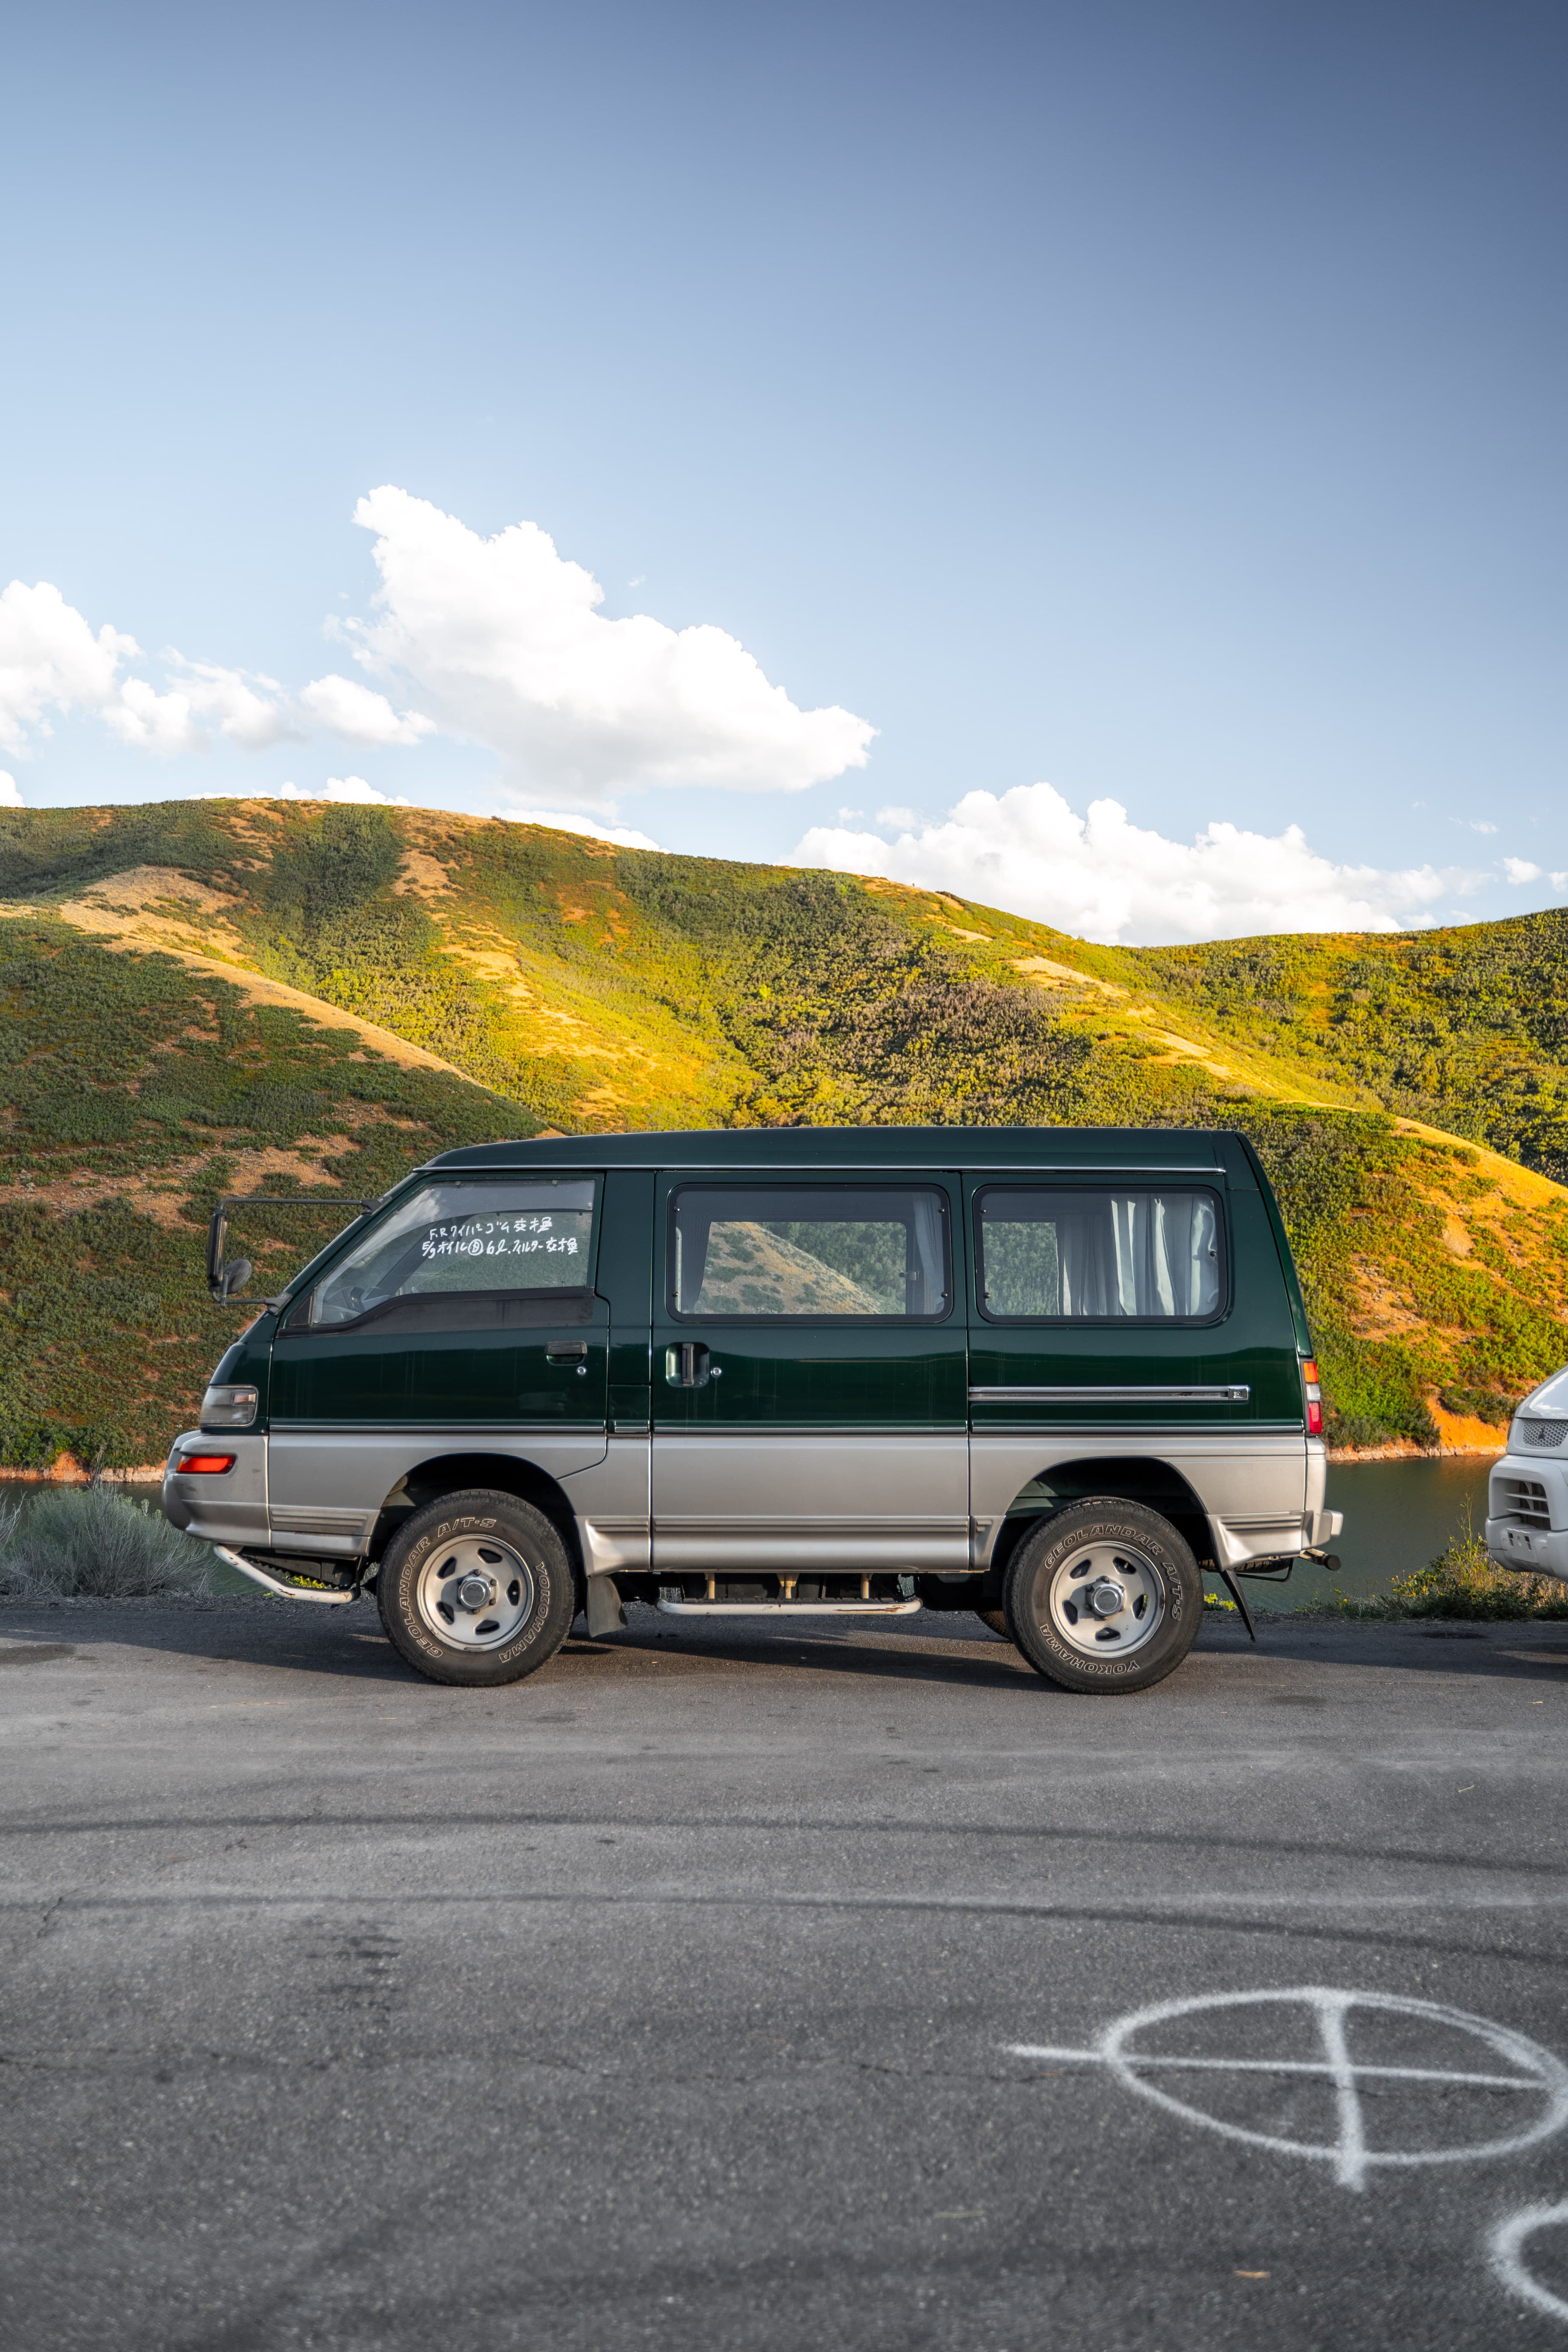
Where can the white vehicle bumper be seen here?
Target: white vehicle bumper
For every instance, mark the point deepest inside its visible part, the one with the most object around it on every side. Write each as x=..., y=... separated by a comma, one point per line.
x=1527, y=1514
x=1541, y=1551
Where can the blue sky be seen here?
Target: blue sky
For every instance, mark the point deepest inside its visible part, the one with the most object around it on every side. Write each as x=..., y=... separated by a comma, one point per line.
x=1160, y=404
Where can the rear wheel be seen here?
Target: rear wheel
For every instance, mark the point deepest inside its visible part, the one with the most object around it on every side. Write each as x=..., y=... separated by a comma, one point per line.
x=1104, y=1596
x=475, y=1589
x=998, y=1620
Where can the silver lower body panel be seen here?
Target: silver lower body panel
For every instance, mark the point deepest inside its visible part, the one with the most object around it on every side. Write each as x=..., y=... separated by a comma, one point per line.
x=799, y=1501
x=326, y=1487
x=1252, y=1487
x=610, y=1500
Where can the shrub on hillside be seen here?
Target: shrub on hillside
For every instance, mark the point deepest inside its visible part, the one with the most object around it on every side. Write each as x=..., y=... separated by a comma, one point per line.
x=87, y=1540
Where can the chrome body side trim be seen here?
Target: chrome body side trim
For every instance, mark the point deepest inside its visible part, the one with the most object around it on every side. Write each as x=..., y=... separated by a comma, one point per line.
x=1147, y=1395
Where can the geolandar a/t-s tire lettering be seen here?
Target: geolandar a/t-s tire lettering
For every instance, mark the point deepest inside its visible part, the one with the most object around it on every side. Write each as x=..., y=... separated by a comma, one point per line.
x=1104, y=1596
x=475, y=1589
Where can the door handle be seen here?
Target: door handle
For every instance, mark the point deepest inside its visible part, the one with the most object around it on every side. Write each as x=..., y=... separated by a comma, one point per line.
x=686, y=1365
x=565, y=1351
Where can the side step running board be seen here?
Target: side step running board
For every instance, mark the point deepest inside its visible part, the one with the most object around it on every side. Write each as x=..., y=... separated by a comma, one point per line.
x=275, y=1584
x=788, y=1608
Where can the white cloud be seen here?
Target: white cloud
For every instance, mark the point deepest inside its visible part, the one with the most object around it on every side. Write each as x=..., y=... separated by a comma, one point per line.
x=50, y=660
x=1478, y=825
x=502, y=640
x=571, y=821
x=150, y=721
x=901, y=820
x=1520, y=869
x=344, y=788
x=349, y=708
x=1103, y=878
x=244, y=705
x=1558, y=881
x=10, y=796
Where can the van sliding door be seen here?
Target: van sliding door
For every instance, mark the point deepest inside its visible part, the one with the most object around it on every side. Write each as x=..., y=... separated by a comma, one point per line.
x=809, y=1369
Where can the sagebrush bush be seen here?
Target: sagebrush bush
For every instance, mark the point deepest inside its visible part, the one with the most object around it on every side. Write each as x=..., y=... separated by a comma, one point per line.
x=90, y=1541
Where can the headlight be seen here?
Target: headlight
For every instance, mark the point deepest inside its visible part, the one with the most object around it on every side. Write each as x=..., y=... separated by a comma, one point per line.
x=228, y=1408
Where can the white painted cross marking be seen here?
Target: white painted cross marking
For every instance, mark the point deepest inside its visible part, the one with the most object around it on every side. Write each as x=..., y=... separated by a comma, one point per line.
x=1533, y=2072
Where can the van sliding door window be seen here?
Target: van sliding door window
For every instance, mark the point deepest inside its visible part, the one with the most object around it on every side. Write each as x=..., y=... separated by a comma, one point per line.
x=449, y=1239
x=764, y=1252
x=1097, y=1256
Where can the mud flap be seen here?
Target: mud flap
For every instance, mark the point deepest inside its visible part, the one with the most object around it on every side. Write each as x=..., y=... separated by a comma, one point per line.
x=602, y=1606
x=1232, y=1586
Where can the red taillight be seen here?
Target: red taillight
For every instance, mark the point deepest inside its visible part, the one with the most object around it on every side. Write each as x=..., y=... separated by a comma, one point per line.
x=210, y=1463
x=1314, y=1396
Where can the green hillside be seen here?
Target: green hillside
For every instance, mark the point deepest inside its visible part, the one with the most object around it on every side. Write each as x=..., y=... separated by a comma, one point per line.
x=172, y=974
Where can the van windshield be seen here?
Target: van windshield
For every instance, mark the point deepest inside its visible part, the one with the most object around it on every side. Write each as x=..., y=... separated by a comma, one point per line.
x=524, y=1235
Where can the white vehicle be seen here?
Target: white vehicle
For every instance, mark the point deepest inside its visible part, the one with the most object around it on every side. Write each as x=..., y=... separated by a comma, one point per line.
x=1527, y=1498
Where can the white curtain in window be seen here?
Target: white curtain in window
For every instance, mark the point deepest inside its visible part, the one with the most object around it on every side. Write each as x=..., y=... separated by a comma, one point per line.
x=1143, y=1254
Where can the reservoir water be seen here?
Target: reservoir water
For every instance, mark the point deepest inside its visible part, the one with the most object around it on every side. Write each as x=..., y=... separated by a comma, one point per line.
x=1398, y=1516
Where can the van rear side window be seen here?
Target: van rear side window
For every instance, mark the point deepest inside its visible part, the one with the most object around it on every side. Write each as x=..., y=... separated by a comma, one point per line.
x=445, y=1238
x=1048, y=1255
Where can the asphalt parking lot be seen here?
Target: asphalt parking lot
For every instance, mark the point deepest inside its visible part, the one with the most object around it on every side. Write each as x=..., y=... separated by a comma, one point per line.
x=718, y=1989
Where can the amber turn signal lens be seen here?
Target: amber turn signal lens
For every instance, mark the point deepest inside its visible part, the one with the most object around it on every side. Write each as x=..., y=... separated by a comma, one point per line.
x=1314, y=1396
x=208, y=1462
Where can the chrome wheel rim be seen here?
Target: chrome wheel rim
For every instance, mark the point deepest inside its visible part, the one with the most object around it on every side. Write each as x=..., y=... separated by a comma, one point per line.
x=476, y=1594
x=1106, y=1601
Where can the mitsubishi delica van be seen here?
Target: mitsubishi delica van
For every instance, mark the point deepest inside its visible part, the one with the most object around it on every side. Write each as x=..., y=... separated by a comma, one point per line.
x=1049, y=1375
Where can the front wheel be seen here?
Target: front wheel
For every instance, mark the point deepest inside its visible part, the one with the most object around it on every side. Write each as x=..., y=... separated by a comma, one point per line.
x=1104, y=1596
x=475, y=1589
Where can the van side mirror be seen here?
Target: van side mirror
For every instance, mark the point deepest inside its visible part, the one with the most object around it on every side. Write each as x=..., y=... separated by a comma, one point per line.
x=234, y=1276
x=227, y=1276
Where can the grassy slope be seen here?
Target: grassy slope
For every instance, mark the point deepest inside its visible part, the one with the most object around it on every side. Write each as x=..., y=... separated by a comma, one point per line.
x=589, y=988
x=135, y=1093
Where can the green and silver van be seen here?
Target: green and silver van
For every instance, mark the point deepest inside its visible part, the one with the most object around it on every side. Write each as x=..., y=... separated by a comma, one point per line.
x=1051, y=1375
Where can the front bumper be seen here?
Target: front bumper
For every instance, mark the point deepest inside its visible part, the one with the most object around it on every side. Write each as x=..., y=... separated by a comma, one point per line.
x=1527, y=1514
x=1538, y=1551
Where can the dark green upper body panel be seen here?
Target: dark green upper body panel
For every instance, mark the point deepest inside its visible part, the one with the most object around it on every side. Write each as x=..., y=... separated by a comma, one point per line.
x=816, y=1369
